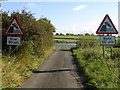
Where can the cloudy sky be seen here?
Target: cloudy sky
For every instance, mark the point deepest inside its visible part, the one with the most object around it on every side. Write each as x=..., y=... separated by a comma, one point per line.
x=69, y=17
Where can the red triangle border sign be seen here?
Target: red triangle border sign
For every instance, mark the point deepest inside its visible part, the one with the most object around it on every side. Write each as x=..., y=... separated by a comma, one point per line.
x=107, y=16
x=14, y=34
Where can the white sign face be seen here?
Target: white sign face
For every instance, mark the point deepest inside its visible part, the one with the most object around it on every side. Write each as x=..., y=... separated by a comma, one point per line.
x=13, y=40
x=107, y=40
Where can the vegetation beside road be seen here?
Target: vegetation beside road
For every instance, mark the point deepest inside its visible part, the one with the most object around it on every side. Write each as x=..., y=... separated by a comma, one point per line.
x=19, y=61
x=16, y=69
x=99, y=72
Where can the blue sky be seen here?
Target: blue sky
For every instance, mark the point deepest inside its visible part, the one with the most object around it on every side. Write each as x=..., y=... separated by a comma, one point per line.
x=70, y=17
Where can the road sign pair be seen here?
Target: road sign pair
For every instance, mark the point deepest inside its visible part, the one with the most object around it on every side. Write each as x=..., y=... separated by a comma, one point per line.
x=106, y=27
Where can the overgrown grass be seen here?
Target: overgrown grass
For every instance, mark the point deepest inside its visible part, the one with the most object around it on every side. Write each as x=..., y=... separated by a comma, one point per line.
x=84, y=43
x=99, y=72
x=17, y=68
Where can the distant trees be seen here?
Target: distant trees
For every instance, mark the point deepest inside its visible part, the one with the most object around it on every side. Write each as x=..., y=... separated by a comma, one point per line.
x=71, y=34
x=61, y=34
x=67, y=34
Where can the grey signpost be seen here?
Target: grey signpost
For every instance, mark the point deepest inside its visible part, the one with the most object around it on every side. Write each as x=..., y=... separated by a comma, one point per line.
x=107, y=27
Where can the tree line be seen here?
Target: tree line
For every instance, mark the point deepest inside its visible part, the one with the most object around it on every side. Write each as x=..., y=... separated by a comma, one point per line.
x=71, y=34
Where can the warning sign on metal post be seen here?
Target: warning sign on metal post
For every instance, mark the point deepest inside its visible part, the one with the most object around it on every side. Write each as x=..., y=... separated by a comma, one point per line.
x=107, y=27
x=13, y=32
x=107, y=40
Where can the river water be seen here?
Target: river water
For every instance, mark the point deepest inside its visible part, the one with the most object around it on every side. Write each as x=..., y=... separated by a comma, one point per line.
x=70, y=44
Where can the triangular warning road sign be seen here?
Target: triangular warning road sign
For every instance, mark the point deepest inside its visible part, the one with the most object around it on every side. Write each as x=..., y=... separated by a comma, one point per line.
x=14, y=28
x=106, y=27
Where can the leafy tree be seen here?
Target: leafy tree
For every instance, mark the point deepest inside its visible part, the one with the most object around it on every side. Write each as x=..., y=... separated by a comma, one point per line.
x=92, y=34
x=87, y=34
x=67, y=34
x=57, y=34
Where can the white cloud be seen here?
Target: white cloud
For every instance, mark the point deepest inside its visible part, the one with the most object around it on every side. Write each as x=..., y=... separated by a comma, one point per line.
x=78, y=8
x=31, y=5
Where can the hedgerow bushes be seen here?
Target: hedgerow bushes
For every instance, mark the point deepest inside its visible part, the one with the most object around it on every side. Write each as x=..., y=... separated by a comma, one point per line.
x=84, y=43
x=37, y=31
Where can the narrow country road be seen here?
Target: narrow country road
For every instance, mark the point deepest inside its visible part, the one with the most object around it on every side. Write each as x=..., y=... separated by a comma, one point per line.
x=59, y=71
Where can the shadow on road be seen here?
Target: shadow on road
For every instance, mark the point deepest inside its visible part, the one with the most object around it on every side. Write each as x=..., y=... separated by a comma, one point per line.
x=51, y=71
x=62, y=50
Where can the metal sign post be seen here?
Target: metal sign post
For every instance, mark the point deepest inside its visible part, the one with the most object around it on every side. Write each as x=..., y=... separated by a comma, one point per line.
x=111, y=49
x=107, y=27
x=103, y=51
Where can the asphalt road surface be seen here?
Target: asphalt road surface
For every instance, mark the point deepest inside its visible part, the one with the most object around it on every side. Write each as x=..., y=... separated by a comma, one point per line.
x=59, y=71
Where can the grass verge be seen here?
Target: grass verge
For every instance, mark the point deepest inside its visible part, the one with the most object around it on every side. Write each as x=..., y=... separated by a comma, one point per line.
x=16, y=69
x=98, y=72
